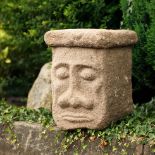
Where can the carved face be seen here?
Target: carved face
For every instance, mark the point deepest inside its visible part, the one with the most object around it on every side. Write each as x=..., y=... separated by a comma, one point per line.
x=78, y=95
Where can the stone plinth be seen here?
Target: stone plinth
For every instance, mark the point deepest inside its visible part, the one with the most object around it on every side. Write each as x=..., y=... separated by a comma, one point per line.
x=91, y=76
x=33, y=139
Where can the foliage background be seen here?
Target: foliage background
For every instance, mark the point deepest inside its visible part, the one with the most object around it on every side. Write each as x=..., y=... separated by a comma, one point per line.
x=139, y=15
x=23, y=52
x=24, y=22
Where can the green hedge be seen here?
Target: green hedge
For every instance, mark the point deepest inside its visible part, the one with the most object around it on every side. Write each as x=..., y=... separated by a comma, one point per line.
x=25, y=21
x=139, y=15
x=23, y=51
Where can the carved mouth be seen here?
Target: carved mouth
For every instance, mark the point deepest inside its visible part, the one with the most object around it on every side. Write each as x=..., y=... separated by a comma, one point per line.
x=76, y=117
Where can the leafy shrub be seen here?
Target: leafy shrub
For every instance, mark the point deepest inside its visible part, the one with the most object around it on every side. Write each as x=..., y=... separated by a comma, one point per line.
x=10, y=113
x=139, y=15
x=26, y=21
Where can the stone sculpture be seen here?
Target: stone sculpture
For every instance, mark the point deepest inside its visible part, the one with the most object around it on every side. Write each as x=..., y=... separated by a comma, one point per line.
x=91, y=76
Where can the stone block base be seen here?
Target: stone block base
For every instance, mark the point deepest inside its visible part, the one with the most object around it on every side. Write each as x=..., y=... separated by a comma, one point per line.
x=32, y=139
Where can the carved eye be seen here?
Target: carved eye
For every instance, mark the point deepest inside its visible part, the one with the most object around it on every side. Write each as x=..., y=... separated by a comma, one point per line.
x=88, y=74
x=62, y=73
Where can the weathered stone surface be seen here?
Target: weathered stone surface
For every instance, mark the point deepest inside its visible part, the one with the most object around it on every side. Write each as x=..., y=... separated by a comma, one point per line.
x=40, y=94
x=139, y=149
x=32, y=139
x=95, y=38
x=91, y=86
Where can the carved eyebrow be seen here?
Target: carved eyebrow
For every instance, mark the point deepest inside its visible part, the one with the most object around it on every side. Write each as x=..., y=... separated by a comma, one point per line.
x=87, y=66
x=61, y=65
x=77, y=65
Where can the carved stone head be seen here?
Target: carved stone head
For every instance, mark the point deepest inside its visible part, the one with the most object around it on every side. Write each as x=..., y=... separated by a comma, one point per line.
x=91, y=76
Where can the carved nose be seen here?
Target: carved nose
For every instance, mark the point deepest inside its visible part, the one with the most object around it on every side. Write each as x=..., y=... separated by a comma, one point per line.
x=75, y=102
x=70, y=102
x=71, y=99
x=63, y=104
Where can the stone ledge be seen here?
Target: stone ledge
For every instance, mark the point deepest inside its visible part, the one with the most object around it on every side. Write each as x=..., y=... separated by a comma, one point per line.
x=90, y=38
x=32, y=141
